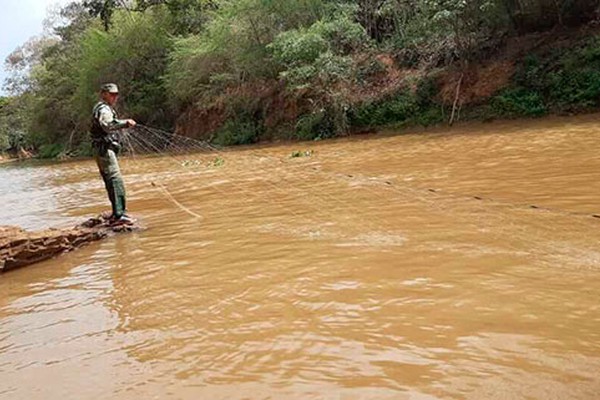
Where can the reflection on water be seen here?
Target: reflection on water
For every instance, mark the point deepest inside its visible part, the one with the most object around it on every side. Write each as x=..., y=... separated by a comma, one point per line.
x=367, y=271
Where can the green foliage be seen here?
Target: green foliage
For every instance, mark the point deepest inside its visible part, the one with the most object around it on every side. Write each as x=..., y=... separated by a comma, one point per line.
x=427, y=89
x=193, y=65
x=319, y=52
x=396, y=109
x=4, y=124
x=103, y=9
x=66, y=79
x=564, y=80
x=233, y=45
x=311, y=127
x=235, y=132
x=298, y=47
x=342, y=33
x=13, y=123
x=239, y=58
x=83, y=149
x=134, y=53
x=516, y=102
x=369, y=69
x=4, y=144
x=324, y=122
x=245, y=124
x=301, y=154
x=439, y=32
x=51, y=150
x=217, y=162
x=187, y=16
x=575, y=90
x=575, y=84
x=406, y=107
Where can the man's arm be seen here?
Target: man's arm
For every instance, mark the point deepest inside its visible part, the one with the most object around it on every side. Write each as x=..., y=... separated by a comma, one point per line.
x=109, y=123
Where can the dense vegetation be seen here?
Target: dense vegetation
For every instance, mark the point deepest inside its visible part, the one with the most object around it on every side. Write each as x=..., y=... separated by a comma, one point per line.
x=237, y=71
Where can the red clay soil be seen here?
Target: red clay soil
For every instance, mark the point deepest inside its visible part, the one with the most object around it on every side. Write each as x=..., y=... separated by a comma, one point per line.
x=478, y=82
x=20, y=248
x=202, y=120
x=388, y=81
x=481, y=80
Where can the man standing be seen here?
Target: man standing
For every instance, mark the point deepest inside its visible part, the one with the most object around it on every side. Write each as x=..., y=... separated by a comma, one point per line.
x=106, y=146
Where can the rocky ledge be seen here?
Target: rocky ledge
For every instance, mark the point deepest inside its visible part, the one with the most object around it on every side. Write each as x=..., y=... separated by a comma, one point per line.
x=19, y=248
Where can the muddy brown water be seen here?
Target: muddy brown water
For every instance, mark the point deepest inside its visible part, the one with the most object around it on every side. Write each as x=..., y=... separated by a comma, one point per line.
x=335, y=276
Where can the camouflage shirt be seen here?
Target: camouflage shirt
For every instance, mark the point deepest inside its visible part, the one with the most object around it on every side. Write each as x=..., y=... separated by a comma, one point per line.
x=105, y=124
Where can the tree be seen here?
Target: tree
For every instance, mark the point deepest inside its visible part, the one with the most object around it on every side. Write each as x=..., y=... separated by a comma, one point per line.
x=104, y=9
x=188, y=16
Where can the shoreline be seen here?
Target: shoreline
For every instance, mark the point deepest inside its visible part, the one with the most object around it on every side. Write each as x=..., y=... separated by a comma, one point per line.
x=473, y=126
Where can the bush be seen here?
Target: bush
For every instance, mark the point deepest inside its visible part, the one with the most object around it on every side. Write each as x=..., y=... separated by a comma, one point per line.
x=343, y=34
x=399, y=108
x=327, y=123
x=572, y=90
x=517, y=102
x=134, y=53
x=83, y=149
x=235, y=132
x=235, y=44
x=51, y=150
x=296, y=48
x=575, y=84
x=431, y=115
x=564, y=79
x=407, y=107
x=193, y=63
x=369, y=69
x=310, y=127
x=319, y=52
x=4, y=143
x=427, y=90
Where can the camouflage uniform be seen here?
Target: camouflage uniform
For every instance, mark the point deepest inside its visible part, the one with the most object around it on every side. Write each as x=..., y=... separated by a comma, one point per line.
x=106, y=146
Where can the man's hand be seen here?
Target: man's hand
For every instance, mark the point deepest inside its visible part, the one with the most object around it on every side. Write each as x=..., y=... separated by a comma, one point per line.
x=131, y=123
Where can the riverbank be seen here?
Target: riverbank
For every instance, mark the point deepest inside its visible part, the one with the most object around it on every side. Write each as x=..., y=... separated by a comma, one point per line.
x=472, y=126
x=529, y=76
x=314, y=71
x=6, y=160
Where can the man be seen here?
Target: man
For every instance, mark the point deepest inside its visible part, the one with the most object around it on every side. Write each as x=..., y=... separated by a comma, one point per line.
x=106, y=146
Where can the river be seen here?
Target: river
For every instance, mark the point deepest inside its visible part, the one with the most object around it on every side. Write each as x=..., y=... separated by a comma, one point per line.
x=379, y=267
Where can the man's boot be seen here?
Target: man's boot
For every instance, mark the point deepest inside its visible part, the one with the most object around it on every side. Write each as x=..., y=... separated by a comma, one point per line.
x=119, y=203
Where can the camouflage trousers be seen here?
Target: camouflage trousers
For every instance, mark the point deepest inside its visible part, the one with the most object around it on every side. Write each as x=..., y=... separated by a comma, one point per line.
x=113, y=182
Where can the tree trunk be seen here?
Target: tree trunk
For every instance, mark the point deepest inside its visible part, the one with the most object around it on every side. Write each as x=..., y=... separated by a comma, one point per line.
x=456, y=98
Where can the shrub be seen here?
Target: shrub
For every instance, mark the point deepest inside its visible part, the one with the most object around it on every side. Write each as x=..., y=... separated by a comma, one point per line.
x=516, y=102
x=236, y=132
x=319, y=52
x=310, y=126
x=399, y=108
x=326, y=123
x=571, y=90
x=296, y=48
x=83, y=149
x=4, y=143
x=52, y=150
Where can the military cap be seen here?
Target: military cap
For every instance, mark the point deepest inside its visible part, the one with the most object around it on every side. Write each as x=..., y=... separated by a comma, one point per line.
x=110, y=88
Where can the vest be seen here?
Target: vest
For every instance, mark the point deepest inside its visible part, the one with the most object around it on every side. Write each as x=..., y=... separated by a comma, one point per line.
x=101, y=139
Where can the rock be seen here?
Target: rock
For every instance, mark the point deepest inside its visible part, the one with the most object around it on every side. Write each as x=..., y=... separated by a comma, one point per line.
x=19, y=248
